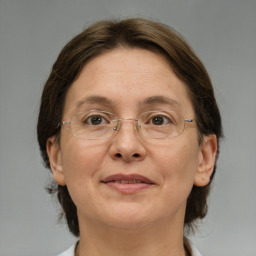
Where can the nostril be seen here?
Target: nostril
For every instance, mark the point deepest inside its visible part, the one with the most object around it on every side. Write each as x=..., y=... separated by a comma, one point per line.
x=118, y=155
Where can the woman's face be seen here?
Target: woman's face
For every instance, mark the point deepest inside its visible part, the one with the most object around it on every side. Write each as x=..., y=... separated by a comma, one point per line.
x=128, y=180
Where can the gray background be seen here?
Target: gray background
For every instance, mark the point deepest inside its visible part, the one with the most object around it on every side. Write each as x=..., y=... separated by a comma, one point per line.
x=223, y=33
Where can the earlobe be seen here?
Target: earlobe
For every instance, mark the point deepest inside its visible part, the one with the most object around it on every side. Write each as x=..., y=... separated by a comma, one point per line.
x=55, y=158
x=206, y=161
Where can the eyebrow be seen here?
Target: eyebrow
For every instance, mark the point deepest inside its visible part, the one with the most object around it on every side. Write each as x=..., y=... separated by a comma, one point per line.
x=158, y=99
x=94, y=100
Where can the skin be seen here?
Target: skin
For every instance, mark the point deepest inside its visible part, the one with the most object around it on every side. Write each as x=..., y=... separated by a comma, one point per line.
x=149, y=221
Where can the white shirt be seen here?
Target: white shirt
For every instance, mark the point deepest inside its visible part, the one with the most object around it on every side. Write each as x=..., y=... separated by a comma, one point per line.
x=71, y=250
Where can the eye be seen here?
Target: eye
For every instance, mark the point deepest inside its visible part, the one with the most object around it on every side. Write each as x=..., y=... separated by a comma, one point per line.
x=95, y=120
x=155, y=118
x=160, y=120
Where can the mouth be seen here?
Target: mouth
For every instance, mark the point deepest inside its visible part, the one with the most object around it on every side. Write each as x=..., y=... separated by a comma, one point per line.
x=128, y=184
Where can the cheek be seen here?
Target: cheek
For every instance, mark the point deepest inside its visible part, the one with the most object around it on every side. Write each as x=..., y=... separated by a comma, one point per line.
x=80, y=161
x=177, y=163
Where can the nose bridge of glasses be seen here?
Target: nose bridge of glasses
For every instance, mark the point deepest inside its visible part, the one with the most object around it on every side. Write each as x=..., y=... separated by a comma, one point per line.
x=121, y=121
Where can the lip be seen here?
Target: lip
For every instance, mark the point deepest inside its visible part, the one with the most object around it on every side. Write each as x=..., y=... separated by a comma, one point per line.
x=128, y=184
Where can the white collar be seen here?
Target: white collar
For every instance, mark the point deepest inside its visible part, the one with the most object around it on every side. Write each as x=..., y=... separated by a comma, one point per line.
x=193, y=250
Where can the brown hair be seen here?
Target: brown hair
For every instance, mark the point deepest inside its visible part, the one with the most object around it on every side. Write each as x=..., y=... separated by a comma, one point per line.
x=108, y=35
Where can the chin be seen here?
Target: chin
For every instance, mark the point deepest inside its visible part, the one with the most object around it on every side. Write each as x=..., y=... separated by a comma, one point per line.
x=128, y=218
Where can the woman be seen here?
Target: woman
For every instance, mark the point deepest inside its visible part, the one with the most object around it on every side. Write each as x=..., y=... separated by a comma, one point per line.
x=130, y=129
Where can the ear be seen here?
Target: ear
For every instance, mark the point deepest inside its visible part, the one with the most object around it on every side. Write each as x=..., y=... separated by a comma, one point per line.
x=206, y=163
x=55, y=158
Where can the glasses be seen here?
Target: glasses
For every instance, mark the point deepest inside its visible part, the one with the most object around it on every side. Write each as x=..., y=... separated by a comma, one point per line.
x=100, y=125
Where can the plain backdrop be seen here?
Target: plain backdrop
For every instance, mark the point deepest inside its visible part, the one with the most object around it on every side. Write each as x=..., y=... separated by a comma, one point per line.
x=32, y=32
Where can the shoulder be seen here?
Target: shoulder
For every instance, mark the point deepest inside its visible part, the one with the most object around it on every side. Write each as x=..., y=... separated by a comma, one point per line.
x=69, y=252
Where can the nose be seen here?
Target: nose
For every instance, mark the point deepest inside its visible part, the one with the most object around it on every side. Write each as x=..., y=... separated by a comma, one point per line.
x=127, y=145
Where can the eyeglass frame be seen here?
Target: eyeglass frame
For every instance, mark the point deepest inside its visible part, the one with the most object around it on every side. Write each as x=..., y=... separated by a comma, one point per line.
x=60, y=124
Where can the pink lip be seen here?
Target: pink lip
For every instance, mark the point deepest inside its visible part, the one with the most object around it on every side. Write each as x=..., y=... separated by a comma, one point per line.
x=128, y=184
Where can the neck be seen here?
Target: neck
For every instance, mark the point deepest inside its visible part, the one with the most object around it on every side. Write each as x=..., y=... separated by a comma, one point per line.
x=156, y=239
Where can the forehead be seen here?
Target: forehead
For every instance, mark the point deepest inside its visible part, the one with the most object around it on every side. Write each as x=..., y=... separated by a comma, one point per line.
x=127, y=79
